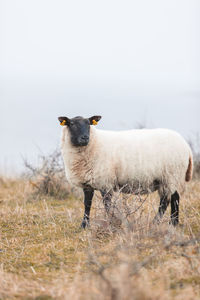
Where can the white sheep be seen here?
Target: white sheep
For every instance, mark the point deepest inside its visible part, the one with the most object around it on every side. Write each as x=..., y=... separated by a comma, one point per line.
x=138, y=161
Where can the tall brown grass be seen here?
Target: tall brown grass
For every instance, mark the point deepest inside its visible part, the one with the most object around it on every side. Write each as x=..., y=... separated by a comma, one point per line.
x=45, y=255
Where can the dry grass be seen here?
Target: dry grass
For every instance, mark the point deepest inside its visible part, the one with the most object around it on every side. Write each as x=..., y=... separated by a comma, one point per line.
x=45, y=255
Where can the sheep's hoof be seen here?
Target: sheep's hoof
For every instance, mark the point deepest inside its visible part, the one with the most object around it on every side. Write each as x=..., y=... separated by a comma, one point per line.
x=157, y=220
x=84, y=224
x=174, y=222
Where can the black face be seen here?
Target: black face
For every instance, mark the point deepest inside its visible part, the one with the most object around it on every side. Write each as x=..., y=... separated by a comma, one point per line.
x=79, y=129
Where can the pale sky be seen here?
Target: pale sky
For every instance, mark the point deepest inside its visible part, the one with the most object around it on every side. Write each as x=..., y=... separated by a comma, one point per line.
x=130, y=61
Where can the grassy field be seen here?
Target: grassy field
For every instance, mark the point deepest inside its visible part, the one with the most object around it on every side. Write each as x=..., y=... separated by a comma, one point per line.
x=45, y=255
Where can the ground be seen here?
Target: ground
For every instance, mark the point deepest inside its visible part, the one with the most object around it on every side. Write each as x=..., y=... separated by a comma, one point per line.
x=44, y=254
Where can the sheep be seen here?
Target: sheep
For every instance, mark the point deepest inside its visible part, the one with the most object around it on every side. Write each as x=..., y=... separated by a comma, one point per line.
x=137, y=161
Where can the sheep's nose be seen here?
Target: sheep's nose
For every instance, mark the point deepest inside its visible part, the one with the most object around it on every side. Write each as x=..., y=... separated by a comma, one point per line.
x=85, y=138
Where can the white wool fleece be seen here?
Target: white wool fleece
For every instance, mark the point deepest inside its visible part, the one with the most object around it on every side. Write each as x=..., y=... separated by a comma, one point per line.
x=135, y=159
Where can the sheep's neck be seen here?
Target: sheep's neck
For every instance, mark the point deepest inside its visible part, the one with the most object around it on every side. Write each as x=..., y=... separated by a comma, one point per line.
x=80, y=164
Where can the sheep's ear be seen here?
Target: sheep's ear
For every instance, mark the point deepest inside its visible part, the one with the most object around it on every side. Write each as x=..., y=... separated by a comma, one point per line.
x=94, y=120
x=64, y=121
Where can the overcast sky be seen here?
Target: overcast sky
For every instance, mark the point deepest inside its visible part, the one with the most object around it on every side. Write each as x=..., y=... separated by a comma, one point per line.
x=130, y=61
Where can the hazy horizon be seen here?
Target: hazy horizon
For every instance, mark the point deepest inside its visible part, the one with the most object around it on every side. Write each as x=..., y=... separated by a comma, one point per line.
x=131, y=62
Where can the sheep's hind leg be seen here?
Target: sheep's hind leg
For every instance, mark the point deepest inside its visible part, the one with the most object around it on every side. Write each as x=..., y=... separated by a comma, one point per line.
x=107, y=196
x=164, y=202
x=106, y=200
x=175, y=209
x=88, y=194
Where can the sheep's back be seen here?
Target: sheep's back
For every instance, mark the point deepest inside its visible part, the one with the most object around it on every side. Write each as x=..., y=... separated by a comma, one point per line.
x=144, y=156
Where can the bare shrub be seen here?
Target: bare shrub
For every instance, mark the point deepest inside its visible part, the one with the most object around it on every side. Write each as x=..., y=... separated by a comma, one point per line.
x=48, y=178
x=141, y=125
x=138, y=260
x=126, y=268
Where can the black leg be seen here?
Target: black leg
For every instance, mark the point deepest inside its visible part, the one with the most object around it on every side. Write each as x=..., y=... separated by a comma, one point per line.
x=88, y=194
x=164, y=202
x=106, y=200
x=174, y=208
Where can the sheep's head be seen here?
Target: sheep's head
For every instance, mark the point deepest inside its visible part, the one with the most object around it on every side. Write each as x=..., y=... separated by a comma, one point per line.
x=79, y=129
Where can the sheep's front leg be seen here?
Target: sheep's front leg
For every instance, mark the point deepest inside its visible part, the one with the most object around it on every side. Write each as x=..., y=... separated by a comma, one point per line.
x=106, y=200
x=88, y=194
